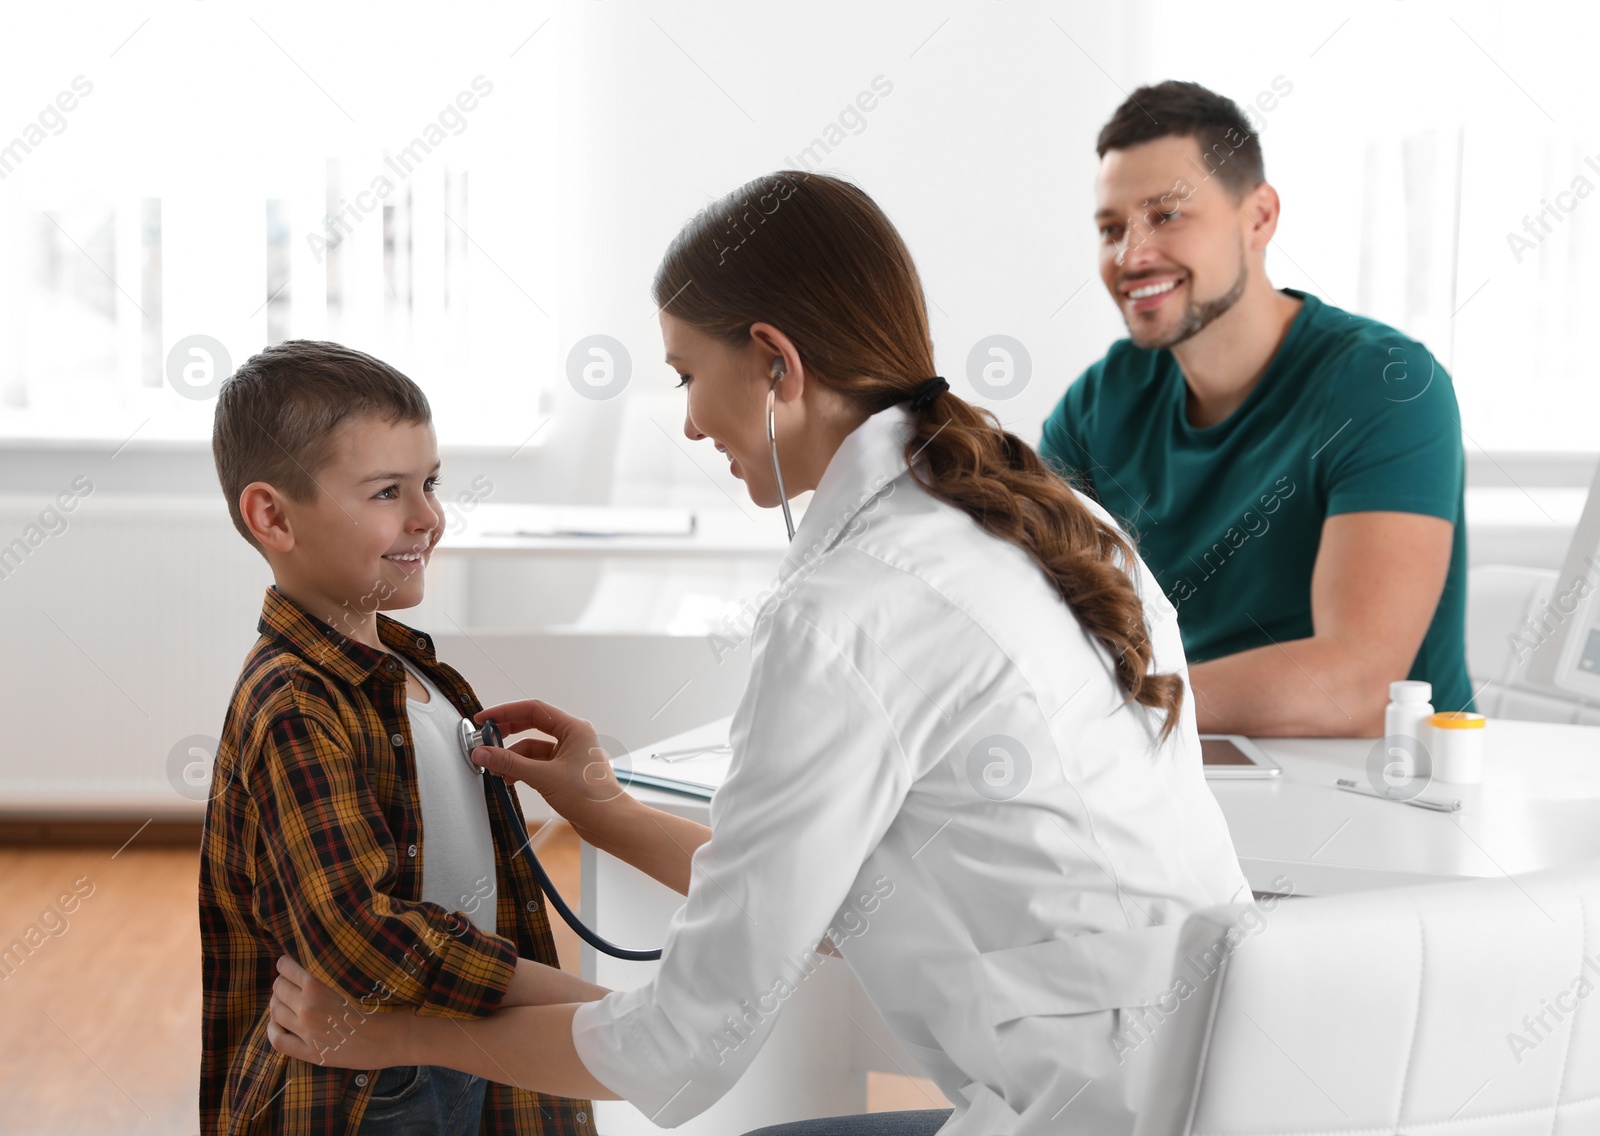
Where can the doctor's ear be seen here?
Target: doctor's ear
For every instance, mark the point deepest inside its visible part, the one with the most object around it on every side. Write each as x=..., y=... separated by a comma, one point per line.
x=261, y=507
x=781, y=368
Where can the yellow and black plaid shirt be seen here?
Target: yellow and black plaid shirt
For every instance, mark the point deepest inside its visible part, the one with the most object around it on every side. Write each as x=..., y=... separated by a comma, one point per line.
x=313, y=847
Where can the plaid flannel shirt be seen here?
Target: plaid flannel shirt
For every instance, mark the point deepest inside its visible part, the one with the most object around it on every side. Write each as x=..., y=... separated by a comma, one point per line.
x=313, y=847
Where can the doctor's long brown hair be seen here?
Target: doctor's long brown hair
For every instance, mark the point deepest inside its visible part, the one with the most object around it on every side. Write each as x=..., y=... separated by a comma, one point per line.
x=816, y=257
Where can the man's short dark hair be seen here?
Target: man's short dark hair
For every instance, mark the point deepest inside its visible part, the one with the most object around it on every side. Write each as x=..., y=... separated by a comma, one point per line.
x=277, y=413
x=1228, y=145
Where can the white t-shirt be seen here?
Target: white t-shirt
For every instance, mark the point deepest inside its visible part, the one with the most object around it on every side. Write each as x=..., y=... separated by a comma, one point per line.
x=458, y=853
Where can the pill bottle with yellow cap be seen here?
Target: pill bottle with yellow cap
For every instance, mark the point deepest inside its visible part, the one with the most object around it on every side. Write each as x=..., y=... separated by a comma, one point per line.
x=1455, y=743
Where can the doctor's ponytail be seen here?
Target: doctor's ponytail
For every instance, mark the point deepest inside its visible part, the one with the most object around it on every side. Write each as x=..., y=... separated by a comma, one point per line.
x=816, y=257
x=968, y=460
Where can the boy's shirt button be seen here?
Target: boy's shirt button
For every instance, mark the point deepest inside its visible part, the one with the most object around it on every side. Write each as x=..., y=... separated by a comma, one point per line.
x=361, y=1080
x=397, y=740
x=411, y=851
x=391, y=664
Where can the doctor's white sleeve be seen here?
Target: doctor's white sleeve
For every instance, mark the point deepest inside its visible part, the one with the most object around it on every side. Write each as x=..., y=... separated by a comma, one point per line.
x=818, y=774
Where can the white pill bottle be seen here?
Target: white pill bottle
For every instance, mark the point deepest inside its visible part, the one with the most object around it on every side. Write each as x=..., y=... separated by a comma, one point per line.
x=1455, y=743
x=1409, y=710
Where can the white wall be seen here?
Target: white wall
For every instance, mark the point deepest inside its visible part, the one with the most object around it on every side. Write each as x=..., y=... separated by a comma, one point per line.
x=983, y=156
x=127, y=624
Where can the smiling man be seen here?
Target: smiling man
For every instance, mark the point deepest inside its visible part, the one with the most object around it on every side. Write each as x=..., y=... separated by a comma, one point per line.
x=1293, y=473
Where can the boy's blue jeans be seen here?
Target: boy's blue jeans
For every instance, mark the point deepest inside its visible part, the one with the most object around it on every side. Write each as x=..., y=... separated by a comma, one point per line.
x=424, y=1100
x=917, y=1122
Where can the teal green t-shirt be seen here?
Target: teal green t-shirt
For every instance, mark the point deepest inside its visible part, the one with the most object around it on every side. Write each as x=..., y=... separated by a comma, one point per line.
x=1351, y=416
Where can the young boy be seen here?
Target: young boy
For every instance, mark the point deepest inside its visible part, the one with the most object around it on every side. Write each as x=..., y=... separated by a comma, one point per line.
x=346, y=829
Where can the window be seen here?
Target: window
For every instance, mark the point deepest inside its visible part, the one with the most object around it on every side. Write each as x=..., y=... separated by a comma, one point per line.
x=1436, y=165
x=209, y=178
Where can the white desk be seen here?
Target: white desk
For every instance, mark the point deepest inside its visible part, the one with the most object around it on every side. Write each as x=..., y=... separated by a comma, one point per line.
x=719, y=534
x=1539, y=807
x=1508, y=525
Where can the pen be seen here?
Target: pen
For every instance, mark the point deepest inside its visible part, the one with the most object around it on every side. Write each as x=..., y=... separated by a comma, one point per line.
x=692, y=751
x=1437, y=806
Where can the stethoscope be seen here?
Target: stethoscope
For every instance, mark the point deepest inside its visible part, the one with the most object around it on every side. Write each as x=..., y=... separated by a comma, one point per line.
x=471, y=737
x=778, y=371
x=921, y=396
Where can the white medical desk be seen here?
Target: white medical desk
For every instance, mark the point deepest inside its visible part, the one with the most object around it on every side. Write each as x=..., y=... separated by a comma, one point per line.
x=719, y=534
x=1539, y=807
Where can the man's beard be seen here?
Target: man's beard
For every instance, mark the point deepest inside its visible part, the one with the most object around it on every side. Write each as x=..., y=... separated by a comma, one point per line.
x=1196, y=317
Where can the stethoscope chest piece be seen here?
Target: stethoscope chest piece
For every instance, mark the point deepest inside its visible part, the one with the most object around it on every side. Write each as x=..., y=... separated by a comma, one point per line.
x=471, y=737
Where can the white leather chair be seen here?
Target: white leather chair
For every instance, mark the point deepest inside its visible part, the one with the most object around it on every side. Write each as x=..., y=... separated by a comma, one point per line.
x=1446, y=1010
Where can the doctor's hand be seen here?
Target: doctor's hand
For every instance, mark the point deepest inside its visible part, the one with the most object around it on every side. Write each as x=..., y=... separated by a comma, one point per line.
x=314, y=1022
x=572, y=773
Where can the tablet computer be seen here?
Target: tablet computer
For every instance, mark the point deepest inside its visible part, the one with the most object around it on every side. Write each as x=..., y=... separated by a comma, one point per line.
x=1233, y=756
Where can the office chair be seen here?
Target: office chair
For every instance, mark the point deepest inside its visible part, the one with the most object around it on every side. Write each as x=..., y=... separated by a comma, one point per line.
x=1444, y=1009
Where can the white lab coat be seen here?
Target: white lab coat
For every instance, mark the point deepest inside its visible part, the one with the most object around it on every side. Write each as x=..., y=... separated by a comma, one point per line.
x=934, y=765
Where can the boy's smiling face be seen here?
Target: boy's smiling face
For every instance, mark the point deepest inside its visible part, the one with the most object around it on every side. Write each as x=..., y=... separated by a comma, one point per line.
x=361, y=544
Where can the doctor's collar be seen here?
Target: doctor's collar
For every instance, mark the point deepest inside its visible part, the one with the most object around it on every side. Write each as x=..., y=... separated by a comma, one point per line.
x=870, y=457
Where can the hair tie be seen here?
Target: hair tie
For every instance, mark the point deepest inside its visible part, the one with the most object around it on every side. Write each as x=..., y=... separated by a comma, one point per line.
x=925, y=394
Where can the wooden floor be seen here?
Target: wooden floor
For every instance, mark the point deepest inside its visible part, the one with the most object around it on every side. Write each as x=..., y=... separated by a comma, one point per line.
x=100, y=1025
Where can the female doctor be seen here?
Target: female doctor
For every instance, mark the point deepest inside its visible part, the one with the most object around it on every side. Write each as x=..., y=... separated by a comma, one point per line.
x=963, y=759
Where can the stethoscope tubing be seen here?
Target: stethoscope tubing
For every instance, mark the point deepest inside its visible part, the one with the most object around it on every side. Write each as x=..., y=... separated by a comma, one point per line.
x=568, y=916
x=489, y=734
x=772, y=441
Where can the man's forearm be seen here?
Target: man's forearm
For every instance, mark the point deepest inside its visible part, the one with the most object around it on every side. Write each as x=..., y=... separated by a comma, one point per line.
x=536, y=984
x=1301, y=688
